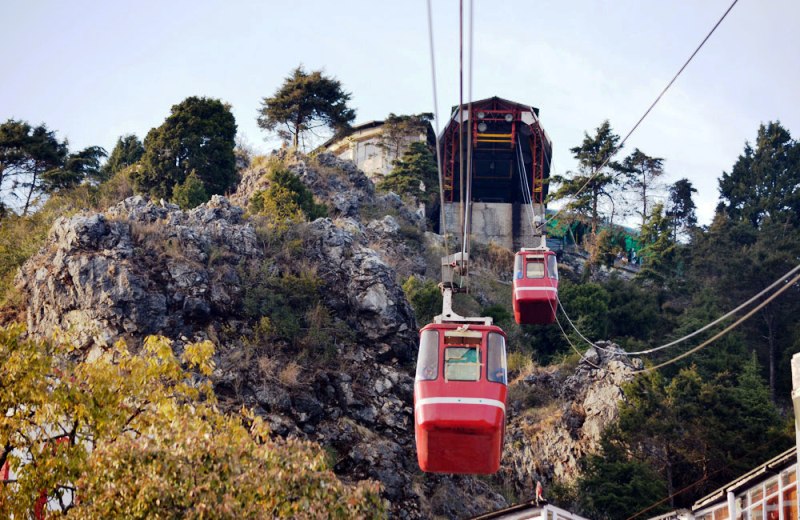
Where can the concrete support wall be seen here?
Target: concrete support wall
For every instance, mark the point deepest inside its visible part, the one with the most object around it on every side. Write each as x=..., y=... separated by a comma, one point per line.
x=491, y=222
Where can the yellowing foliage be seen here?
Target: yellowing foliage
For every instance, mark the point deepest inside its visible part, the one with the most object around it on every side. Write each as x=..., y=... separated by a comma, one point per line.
x=140, y=436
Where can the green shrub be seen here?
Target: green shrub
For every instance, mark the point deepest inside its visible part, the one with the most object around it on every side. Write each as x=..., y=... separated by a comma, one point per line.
x=499, y=313
x=283, y=298
x=425, y=298
x=190, y=193
x=287, y=200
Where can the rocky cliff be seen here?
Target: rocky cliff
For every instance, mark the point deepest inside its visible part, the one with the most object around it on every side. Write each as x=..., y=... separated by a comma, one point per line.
x=312, y=328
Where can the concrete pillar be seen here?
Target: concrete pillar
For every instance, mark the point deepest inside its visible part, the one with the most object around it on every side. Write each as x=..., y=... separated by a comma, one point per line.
x=796, y=401
x=732, y=505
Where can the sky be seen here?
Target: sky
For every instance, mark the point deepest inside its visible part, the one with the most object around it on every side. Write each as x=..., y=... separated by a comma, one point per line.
x=94, y=71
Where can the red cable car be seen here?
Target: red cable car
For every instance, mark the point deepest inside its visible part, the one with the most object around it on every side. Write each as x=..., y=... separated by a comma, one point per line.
x=535, y=286
x=460, y=397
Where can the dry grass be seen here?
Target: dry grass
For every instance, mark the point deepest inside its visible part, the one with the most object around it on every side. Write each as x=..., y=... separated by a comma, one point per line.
x=290, y=375
x=145, y=232
x=522, y=364
x=268, y=368
x=541, y=419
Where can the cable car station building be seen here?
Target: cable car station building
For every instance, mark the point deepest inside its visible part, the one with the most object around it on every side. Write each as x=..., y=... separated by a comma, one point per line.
x=510, y=164
x=768, y=492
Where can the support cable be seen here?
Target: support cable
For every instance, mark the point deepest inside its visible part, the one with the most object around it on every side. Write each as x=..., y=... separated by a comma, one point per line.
x=702, y=329
x=726, y=329
x=652, y=105
x=527, y=198
x=461, y=125
x=583, y=358
x=468, y=207
x=721, y=318
x=443, y=214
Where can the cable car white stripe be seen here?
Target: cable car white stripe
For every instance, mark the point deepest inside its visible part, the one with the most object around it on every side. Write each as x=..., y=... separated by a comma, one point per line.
x=551, y=289
x=462, y=400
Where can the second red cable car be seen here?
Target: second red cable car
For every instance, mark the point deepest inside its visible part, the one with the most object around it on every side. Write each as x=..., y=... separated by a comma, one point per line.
x=535, y=286
x=460, y=398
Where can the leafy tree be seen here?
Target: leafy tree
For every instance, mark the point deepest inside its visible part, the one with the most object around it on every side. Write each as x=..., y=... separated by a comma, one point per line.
x=26, y=154
x=614, y=486
x=764, y=183
x=397, y=131
x=198, y=135
x=127, y=151
x=587, y=305
x=305, y=102
x=681, y=208
x=633, y=310
x=642, y=172
x=137, y=435
x=190, y=193
x=415, y=169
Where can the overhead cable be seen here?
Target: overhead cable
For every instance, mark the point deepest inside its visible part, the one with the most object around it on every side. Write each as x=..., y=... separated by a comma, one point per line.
x=696, y=332
x=728, y=328
x=443, y=219
x=650, y=108
x=721, y=318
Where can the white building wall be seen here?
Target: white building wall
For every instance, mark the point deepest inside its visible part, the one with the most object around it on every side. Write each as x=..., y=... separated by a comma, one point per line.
x=364, y=148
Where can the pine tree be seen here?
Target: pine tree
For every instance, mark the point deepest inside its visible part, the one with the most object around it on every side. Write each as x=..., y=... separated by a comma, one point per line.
x=305, y=102
x=764, y=183
x=413, y=171
x=641, y=176
x=584, y=187
x=127, y=151
x=681, y=208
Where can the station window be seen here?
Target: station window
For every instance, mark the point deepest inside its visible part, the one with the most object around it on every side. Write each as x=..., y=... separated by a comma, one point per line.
x=790, y=501
x=771, y=504
x=721, y=513
x=462, y=364
x=428, y=356
x=757, y=503
x=496, y=369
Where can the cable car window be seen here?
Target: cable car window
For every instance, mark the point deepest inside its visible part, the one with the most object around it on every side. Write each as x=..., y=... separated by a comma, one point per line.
x=518, y=259
x=534, y=268
x=496, y=369
x=552, y=267
x=461, y=364
x=428, y=357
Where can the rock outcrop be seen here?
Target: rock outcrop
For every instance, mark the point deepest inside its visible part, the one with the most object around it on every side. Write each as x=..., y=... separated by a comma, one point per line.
x=142, y=268
x=138, y=269
x=547, y=442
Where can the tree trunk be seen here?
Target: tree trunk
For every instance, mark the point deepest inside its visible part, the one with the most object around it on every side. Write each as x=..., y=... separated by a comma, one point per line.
x=644, y=202
x=30, y=194
x=595, y=196
x=768, y=318
x=297, y=126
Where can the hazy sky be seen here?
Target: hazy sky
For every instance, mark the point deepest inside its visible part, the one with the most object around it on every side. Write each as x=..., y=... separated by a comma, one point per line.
x=96, y=70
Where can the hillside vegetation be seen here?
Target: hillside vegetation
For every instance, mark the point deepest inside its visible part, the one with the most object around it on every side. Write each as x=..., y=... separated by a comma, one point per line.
x=268, y=339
